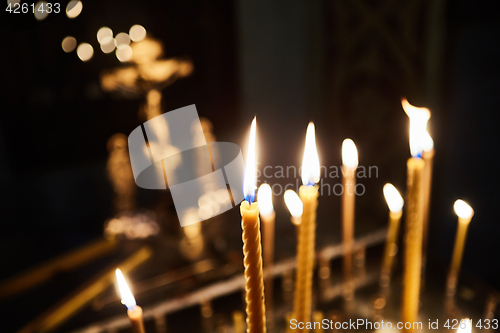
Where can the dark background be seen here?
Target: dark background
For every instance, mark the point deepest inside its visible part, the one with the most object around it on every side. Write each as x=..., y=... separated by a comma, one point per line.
x=343, y=64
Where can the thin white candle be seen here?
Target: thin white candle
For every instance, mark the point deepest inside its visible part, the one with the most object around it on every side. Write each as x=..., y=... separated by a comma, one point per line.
x=134, y=311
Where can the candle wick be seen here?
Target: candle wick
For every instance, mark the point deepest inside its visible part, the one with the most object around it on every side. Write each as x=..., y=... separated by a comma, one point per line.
x=250, y=199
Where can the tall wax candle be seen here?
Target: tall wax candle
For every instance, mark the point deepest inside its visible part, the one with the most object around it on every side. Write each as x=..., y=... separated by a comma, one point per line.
x=413, y=241
x=413, y=237
x=252, y=248
x=464, y=213
x=428, y=157
x=295, y=207
x=308, y=193
x=267, y=215
x=349, y=166
x=395, y=203
x=426, y=144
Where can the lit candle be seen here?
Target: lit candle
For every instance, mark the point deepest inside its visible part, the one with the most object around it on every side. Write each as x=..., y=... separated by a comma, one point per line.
x=294, y=205
x=308, y=194
x=414, y=216
x=465, y=213
x=134, y=311
x=252, y=249
x=395, y=203
x=465, y=326
x=265, y=200
x=428, y=157
x=349, y=166
x=50, y=319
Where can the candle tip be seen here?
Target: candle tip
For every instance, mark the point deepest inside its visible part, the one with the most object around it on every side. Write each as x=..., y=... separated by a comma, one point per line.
x=293, y=203
x=393, y=198
x=349, y=154
x=463, y=209
x=265, y=199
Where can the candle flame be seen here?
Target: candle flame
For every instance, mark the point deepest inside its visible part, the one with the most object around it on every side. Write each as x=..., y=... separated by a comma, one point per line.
x=393, y=197
x=349, y=154
x=427, y=142
x=126, y=295
x=465, y=326
x=419, y=138
x=265, y=199
x=250, y=181
x=310, y=161
x=293, y=203
x=463, y=210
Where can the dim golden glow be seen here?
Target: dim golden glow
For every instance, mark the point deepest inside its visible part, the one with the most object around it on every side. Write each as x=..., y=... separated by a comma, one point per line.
x=465, y=326
x=310, y=161
x=74, y=8
x=122, y=40
x=138, y=226
x=108, y=44
x=265, y=199
x=85, y=51
x=463, y=210
x=68, y=44
x=39, y=14
x=250, y=181
x=125, y=293
x=349, y=154
x=393, y=198
x=137, y=33
x=419, y=138
x=293, y=203
x=103, y=33
x=124, y=54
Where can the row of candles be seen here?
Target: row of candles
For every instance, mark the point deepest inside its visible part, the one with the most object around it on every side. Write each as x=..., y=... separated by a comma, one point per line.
x=303, y=206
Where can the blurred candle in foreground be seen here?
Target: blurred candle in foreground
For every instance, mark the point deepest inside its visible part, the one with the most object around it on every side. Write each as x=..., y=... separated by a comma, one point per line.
x=308, y=193
x=349, y=166
x=252, y=248
x=265, y=200
x=413, y=236
x=395, y=203
x=294, y=205
x=428, y=157
x=464, y=213
x=465, y=326
x=134, y=311
x=427, y=146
